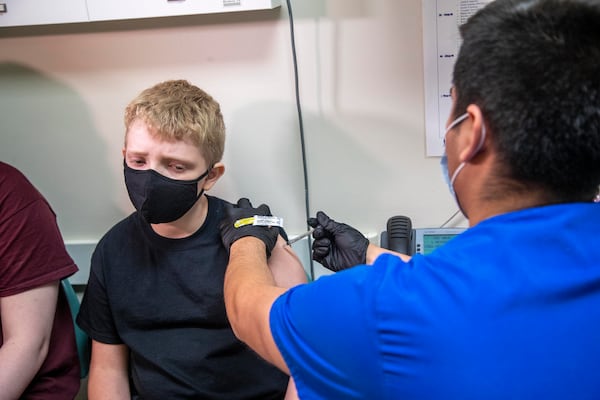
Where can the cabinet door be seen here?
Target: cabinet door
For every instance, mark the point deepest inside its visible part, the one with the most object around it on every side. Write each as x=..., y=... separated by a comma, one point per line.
x=100, y=10
x=40, y=12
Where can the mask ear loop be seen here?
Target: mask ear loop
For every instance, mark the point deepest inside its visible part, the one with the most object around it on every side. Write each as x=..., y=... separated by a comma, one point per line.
x=462, y=164
x=204, y=175
x=454, y=123
x=481, y=139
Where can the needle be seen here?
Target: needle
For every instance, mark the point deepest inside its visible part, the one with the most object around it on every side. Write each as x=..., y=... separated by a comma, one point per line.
x=299, y=237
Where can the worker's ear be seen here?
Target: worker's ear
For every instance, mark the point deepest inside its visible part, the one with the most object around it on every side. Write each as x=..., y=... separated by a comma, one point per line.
x=474, y=134
x=213, y=176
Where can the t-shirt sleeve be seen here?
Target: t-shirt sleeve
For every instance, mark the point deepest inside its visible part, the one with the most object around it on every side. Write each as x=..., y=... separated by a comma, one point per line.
x=326, y=334
x=95, y=316
x=32, y=250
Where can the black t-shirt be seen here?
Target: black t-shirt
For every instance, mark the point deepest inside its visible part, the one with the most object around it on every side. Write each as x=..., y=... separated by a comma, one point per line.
x=163, y=298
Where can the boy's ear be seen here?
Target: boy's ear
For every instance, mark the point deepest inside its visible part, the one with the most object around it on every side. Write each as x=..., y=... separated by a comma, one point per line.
x=213, y=176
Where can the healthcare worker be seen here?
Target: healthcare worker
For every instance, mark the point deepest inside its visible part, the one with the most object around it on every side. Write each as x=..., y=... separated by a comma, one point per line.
x=509, y=309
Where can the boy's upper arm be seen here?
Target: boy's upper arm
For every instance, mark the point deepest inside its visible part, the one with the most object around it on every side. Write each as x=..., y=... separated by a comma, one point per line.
x=109, y=374
x=285, y=265
x=112, y=356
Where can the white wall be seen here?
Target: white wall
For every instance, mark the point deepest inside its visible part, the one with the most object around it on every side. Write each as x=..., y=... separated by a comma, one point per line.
x=63, y=89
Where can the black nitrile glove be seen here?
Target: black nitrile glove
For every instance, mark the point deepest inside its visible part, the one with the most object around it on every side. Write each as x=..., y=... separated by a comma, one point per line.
x=244, y=209
x=337, y=246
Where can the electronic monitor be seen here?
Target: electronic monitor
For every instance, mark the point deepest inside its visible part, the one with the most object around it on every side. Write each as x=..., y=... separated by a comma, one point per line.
x=425, y=240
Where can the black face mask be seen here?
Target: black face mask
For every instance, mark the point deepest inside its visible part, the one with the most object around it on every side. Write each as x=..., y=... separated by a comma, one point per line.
x=160, y=199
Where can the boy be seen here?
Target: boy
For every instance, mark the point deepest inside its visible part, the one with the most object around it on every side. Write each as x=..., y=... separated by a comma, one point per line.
x=154, y=302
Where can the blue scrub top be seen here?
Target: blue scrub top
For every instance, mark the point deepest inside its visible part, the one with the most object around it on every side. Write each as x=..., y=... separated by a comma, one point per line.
x=509, y=309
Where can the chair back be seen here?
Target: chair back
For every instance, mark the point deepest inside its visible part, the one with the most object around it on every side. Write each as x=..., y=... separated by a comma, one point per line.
x=84, y=345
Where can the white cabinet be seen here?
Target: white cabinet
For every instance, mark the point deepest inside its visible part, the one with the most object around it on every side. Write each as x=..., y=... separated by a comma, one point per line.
x=101, y=10
x=39, y=12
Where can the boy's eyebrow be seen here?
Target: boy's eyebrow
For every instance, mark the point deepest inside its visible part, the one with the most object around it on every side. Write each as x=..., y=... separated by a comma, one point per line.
x=176, y=158
x=133, y=154
x=165, y=157
x=137, y=153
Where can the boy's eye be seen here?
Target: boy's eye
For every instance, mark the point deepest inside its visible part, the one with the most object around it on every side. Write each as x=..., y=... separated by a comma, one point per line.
x=178, y=167
x=137, y=162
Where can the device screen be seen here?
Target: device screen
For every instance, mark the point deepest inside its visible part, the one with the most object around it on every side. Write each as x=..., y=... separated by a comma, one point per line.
x=433, y=241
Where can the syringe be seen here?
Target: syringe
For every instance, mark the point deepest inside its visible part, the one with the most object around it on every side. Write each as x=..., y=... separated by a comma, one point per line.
x=300, y=237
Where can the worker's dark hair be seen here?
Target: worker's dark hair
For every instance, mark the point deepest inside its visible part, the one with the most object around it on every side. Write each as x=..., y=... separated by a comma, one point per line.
x=533, y=67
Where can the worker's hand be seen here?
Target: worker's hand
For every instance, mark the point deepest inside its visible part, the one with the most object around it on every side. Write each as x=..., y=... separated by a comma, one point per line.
x=244, y=209
x=337, y=246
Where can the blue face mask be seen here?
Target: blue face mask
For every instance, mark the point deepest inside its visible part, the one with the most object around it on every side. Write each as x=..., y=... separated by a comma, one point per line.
x=446, y=173
x=444, y=161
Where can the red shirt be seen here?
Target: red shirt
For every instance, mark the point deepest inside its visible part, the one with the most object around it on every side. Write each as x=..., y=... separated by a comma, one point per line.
x=32, y=253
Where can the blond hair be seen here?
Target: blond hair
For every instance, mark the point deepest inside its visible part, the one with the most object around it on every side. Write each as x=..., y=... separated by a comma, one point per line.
x=177, y=110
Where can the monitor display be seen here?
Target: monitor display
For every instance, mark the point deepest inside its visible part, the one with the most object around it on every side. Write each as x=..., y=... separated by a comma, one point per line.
x=432, y=242
x=426, y=240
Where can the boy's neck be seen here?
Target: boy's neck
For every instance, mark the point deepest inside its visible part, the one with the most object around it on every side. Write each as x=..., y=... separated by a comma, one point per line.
x=186, y=225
